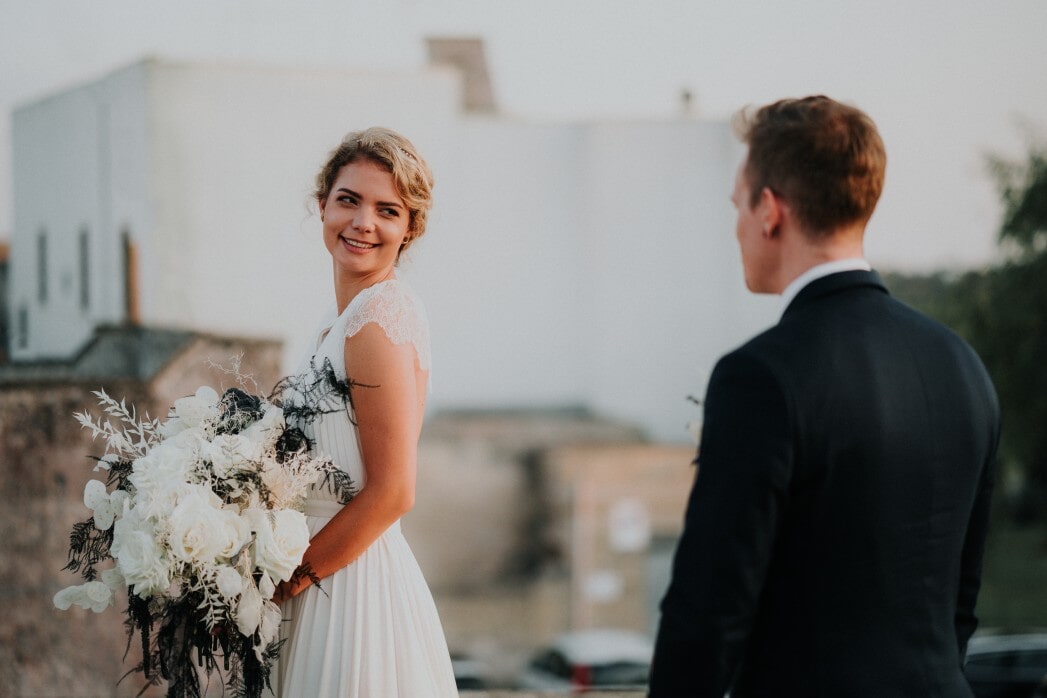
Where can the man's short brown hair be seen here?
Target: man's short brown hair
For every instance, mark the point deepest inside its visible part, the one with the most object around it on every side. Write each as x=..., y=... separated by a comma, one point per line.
x=824, y=158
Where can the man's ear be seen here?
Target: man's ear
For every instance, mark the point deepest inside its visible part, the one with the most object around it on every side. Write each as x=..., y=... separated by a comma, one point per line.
x=771, y=213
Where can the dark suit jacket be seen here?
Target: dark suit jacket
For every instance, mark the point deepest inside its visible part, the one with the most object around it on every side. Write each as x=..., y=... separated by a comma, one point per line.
x=833, y=540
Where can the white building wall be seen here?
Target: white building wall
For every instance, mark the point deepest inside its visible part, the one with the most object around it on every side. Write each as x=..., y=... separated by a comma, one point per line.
x=79, y=165
x=664, y=295
x=499, y=267
x=586, y=263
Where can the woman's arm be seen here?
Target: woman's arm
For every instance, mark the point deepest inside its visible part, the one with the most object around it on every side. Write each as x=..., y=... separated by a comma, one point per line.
x=389, y=421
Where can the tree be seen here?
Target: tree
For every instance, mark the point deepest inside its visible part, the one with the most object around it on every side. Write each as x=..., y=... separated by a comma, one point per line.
x=1012, y=328
x=1002, y=312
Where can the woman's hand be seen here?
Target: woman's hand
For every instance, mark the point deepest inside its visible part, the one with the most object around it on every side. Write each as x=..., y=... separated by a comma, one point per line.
x=282, y=593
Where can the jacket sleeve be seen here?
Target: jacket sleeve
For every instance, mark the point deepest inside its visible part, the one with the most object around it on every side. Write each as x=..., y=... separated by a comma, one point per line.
x=974, y=542
x=735, y=509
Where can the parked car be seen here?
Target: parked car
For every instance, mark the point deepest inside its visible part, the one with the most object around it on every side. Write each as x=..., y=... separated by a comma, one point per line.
x=469, y=674
x=1006, y=665
x=578, y=661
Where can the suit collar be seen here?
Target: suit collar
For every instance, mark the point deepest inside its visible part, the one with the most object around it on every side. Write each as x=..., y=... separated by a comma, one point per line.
x=834, y=283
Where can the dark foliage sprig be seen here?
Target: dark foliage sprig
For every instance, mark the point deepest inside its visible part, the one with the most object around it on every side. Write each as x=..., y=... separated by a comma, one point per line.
x=87, y=548
x=307, y=396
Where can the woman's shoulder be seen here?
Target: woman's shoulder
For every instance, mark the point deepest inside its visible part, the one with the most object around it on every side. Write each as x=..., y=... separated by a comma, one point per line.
x=396, y=308
x=387, y=299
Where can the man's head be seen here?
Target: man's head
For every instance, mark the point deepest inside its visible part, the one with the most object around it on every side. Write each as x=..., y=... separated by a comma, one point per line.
x=825, y=159
x=811, y=179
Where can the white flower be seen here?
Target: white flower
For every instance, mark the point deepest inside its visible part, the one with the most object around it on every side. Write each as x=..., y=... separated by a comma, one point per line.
x=249, y=610
x=161, y=476
x=201, y=530
x=268, y=627
x=197, y=409
x=268, y=429
x=95, y=596
x=230, y=453
x=281, y=538
x=106, y=506
x=266, y=586
x=113, y=579
x=138, y=555
x=228, y=581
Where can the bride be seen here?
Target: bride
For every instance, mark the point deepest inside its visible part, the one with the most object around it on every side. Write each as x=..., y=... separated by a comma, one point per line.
x=372, y=630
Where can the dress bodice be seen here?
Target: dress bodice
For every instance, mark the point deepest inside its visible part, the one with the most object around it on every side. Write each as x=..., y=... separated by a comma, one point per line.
x=394, y=307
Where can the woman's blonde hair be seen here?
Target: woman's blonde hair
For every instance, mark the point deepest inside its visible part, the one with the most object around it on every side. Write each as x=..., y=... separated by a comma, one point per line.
x=411, y=175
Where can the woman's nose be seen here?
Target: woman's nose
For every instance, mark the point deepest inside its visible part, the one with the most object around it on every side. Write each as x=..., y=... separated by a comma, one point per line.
x=364, y=220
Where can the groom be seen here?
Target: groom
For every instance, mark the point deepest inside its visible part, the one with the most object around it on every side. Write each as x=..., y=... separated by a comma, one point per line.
x=833, y=540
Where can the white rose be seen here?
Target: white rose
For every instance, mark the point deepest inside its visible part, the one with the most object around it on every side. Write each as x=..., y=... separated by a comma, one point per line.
x=249, y=610
x=228, y=581
x=201, y=531
x=281, y=538
x=95, y=596
x=230, y=453
x=138, y=556
x=197, y=409
x=161, y=476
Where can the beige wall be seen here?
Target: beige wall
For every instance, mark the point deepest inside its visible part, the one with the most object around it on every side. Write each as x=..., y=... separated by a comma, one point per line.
x=513, y=527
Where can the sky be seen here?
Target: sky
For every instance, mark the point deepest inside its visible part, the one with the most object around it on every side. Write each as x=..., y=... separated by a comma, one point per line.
x=948, y=82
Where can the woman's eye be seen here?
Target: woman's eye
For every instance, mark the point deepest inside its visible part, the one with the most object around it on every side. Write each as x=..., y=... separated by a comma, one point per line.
x=391, y=212
x=347, y=200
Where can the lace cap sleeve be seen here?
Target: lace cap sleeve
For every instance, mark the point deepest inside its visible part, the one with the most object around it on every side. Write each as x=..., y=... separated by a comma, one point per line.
x=394, y=307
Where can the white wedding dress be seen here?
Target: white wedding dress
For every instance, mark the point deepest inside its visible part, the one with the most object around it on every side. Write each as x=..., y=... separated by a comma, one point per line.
x=376, y=632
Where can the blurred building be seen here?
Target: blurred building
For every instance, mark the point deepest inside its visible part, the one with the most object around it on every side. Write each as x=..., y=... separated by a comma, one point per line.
x=530, y=523
x=566, y=263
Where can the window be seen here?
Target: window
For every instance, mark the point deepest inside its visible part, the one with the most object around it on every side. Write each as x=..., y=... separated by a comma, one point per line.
x=130, y=259
x=41, y=265
x=22, y=331
x=85, y=269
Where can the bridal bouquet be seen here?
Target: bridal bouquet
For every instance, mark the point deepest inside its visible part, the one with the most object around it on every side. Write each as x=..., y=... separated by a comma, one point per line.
x=201, y=514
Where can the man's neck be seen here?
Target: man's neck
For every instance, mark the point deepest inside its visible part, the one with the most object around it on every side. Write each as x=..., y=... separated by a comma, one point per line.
x=803, y=252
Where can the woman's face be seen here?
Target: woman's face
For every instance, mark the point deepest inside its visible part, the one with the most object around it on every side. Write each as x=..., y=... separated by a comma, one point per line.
x=365, y=220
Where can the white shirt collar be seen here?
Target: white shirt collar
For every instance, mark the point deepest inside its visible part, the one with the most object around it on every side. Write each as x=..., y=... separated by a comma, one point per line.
x=817, y=272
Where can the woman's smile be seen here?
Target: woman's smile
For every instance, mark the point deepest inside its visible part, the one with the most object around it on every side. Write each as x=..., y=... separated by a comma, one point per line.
x=357, y=244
